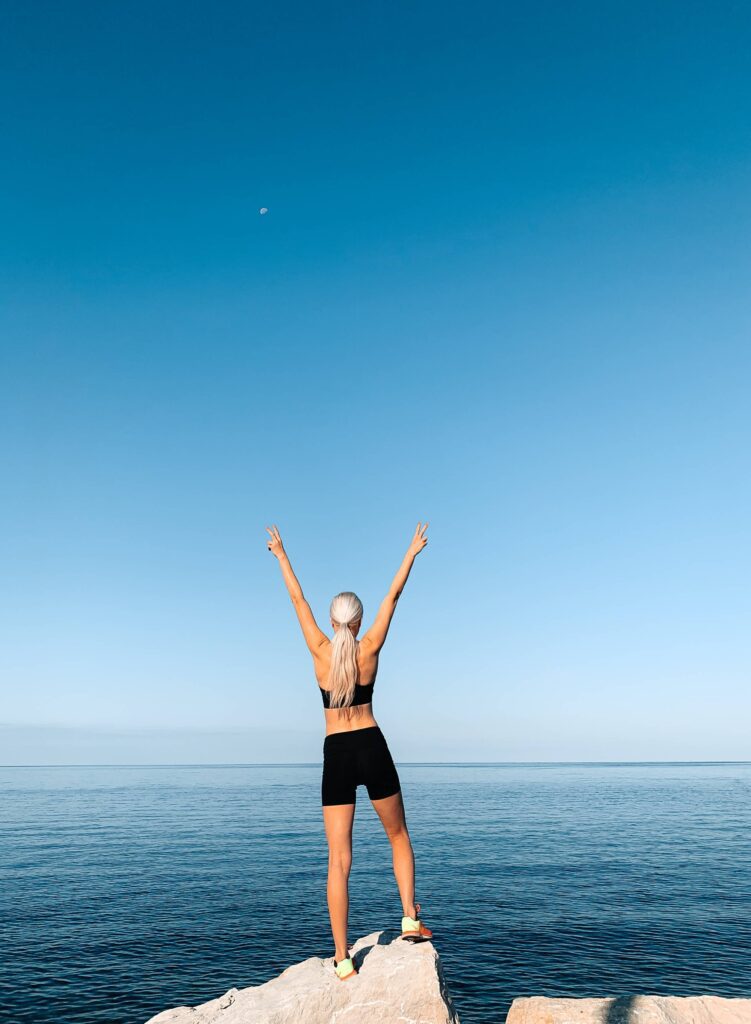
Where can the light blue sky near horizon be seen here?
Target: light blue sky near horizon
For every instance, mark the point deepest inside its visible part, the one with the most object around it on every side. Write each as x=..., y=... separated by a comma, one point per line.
x=502, y=285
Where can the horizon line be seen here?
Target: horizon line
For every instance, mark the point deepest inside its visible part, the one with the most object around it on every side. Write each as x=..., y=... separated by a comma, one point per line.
x=314, y=764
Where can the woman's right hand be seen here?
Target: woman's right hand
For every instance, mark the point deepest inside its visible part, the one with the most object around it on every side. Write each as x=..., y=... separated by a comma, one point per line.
x=419, y=540
x=274, y=544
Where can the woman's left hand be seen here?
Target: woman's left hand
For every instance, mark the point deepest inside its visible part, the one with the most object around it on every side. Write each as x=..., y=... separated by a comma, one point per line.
x=275, y=545
x=419, y=540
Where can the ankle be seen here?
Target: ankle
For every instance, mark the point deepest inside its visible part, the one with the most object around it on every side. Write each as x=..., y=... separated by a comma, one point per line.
x=340, y=955
x=410, y=911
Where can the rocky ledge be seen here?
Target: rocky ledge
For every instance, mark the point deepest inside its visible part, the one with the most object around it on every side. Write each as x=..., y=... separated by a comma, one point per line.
x=631, y=1010
x=402, y=983
x=399, y=983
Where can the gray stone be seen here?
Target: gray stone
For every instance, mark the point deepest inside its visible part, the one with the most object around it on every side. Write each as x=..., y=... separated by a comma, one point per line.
x=631, y=1010
x=398, y=983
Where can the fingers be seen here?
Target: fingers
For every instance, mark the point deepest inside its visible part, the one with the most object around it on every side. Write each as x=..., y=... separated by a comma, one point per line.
x=420, y=539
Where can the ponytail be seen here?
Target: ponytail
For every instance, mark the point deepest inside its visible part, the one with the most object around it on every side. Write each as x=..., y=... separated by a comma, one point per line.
x=346, y=609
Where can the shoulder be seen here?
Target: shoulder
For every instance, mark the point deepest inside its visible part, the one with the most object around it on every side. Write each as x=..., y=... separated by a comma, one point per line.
x=322, y=660
x=367, y=654
x=368, y=647
x=322, y=650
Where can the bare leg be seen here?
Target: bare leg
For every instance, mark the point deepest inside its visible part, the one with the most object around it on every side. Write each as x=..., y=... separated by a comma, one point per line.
x=391, y=812
x=337, y=820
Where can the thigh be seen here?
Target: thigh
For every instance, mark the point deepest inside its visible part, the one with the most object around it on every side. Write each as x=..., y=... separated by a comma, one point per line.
x=337, y=820
x=391, y=812
x=338, y=782
x=379, y=772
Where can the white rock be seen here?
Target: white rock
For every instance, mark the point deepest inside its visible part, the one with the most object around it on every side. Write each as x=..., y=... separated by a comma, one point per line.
x=398, y=983
x=631, y=1010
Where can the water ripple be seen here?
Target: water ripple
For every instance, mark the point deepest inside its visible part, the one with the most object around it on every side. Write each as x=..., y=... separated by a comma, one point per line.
x=127, y=890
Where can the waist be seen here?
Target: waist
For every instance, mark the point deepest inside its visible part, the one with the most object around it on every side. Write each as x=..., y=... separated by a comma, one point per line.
x=349, y=738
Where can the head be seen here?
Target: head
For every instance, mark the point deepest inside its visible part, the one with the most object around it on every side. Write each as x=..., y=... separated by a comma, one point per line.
x=346, y=618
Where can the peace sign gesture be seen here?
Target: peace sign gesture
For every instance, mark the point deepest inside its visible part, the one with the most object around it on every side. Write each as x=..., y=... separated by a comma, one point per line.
x=274, y=545
x=419, y=540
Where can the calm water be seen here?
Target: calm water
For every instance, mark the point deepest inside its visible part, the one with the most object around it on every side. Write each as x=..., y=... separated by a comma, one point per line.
x=128, y=890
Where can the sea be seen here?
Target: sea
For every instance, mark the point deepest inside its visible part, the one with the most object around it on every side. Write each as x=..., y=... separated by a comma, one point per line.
x=128, y=890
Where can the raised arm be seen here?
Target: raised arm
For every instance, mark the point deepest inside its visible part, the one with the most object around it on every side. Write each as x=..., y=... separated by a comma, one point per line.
x=376, y=635
x=314, y=637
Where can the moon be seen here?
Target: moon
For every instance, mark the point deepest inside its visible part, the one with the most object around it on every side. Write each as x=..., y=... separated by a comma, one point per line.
x=263, y=210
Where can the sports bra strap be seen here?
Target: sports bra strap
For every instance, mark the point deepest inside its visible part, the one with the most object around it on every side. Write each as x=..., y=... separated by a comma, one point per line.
x=363, y=695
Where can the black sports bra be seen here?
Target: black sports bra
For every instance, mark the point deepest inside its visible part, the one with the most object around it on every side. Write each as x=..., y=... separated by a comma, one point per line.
x=363, y=695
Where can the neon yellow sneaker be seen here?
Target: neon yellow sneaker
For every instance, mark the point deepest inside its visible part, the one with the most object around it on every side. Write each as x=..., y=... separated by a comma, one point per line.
x=414, y=930
x=344, y=969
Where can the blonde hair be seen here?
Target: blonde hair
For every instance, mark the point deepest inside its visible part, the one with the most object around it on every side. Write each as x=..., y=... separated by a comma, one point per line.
x=345, y=610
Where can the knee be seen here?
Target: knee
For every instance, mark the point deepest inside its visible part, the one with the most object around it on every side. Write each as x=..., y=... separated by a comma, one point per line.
x=340, y=861
x=398, y=834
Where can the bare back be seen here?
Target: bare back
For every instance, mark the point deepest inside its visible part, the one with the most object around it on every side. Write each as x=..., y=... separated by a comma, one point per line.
x=360, y=716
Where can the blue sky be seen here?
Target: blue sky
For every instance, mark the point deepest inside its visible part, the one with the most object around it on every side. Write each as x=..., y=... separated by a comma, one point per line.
x=502, y=286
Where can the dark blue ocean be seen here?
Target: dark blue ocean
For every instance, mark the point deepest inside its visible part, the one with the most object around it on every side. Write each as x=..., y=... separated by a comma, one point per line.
x=124, y=891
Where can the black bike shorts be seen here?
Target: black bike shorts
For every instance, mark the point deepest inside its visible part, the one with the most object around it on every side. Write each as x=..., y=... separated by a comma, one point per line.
x=359, y=757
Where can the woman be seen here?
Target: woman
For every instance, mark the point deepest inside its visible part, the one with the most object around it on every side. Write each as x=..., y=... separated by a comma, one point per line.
x=355, y=750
